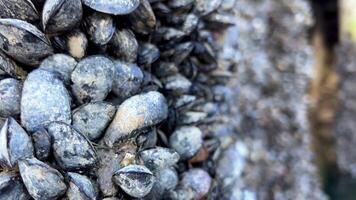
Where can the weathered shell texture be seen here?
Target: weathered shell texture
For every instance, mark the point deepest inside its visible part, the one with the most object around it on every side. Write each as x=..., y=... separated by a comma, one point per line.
x=41, y=180
x=71, y=149
x=23, y=41
x=143, y=20
x=61, y=15
x=9, y=68
x=178, y=84
x=92, y=119
x=115, y=7
x=147, y=54
x=135, y=113
x=100, y=28
x=197, y=179
x=74, y=43
x=187, y=141
x=10, y=97
x=15, y=143
x=44, y=99
x=18, y=9
x=124, y=45
x=159, y=158
x=204, y=7
x=11, y=187
x=135, y=180
x=80, y=187
x=166, y=180
x=128, y=79
x=61, y=64
x=108, y=164
x=42, y=144
x=92, y=79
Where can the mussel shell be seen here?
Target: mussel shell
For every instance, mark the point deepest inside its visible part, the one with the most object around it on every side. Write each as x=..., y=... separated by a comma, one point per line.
x=190, y=24
x=10, y=97
x=181, y=5
x=100, y=28
x=143, y=20
x=92, y=79
x=61, y=15
x=19, y=9
x=197, y=179
x=124, y=45
x=177, y=84
x=136, y=180
x=179, y=53
x=222, y=21
x=71, y=149
x=187, y=141
x=147, y=54
x=128, y=79
x=23, y=41
x=191, y=117
x=15, y=145
x=60, y=64
x=115, y=7
x=147, y=140
x=81, y=187
x=92, y=119
x=41, y=180
x=166, y=180
x=74, y=43
x=159, y=158
x=164, y=69
x=135, y=113
x=9, y=68
x=11, y=187
x=44, y=99
x=204, y=7
x=42, y=144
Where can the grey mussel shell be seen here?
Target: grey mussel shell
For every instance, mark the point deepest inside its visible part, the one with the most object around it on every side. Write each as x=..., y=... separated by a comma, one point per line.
x=100, y=27
x=166, y=180
x=197, y=179
x=23, y=41
x=41, y=180
x=71, y=149
x=10, y=96
x=115, y=7
x=18, y=9
x=124, y=45
x=204, y=7
x=11, y=187
x=137, y=112
x=60, y=64
x=42, y=144
x=92, y=119
x=44, y=99
x=15, y=144
x=143, y=20
x=187, y=141
x=136, y=180
x=128, y=79
x=81, y=187
x=159, y=158
x=92, y=79
x=61, y=15
x=9, y=68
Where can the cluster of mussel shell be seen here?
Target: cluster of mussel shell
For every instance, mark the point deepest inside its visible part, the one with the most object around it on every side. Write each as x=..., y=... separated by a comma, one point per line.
x=107, y=99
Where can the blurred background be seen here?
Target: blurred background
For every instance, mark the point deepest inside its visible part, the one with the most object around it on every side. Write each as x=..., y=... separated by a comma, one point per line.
x=291, y=133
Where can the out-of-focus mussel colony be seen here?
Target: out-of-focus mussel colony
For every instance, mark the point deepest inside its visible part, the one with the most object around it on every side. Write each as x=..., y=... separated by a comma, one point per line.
x=116, y=99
